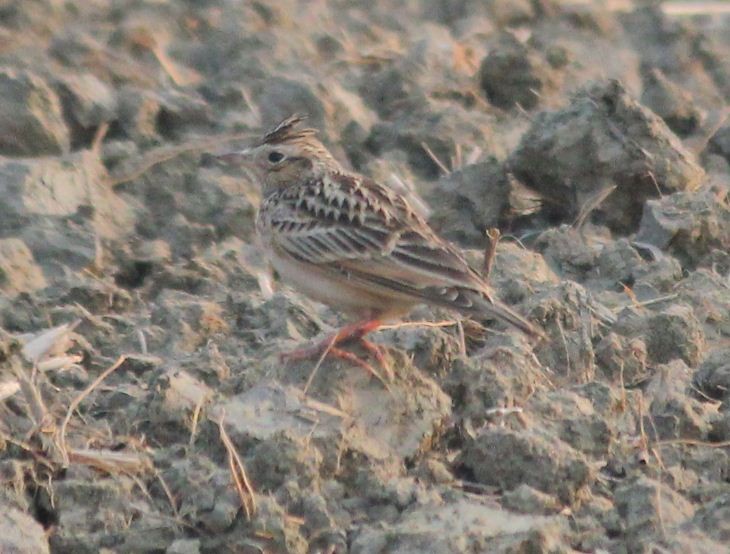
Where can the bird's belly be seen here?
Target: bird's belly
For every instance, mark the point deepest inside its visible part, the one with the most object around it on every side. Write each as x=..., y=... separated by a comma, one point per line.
x=337, y=292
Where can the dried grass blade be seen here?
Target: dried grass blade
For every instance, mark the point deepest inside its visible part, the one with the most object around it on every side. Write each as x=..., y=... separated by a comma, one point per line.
x=112, y=462
x=62, y=445
x=238, y=473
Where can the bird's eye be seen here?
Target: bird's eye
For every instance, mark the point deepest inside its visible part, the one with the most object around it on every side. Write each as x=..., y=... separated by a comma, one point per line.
x=275, y=157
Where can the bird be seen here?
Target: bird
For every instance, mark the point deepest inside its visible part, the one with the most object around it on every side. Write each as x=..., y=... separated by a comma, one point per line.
x=347, y=241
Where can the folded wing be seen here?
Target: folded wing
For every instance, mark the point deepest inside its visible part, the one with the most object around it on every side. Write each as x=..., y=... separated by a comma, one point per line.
x=364, y=232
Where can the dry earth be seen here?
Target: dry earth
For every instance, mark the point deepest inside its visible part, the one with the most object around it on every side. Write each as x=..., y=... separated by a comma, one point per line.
x=143, y=405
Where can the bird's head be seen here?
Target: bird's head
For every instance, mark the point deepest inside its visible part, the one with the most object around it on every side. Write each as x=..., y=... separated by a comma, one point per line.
x=284, y=156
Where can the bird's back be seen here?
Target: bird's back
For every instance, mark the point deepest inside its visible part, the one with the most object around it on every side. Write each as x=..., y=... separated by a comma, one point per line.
x=355, y=229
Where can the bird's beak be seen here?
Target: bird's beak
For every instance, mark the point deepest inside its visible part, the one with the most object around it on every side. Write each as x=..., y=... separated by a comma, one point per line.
x=236, y=158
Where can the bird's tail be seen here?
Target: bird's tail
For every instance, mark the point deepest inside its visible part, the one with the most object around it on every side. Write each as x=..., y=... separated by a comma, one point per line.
x=493, y=308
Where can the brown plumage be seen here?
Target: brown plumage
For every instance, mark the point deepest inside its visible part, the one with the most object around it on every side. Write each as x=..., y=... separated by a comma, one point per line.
x=352, y=243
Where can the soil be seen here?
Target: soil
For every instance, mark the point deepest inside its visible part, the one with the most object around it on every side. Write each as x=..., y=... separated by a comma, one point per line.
x=144, y=405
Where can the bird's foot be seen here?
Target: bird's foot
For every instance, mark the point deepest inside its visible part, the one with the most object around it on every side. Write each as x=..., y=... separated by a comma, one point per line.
x=329, y=348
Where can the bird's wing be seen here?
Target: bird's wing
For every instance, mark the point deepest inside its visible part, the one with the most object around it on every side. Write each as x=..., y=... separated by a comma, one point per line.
x=348, y=222
x=355, y=228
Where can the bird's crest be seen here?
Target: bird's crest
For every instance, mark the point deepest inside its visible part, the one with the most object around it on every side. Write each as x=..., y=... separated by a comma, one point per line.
x=287, y=131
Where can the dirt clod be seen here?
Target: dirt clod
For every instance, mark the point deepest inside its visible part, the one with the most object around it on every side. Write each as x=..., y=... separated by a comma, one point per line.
x=145, y=405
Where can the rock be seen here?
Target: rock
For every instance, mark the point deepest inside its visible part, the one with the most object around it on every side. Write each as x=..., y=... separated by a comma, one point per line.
x=597, y=19
x=138, y=111
x=31, y=120
x=648, y=28
x=328, y=46
x=511, y=13
x=661, y=275
x=203, y=490
x=226, y=202
x=14, y=496
x=182, y=394
x=434, y=351
x=566, y=312
x=323, y=529
x=593, y=523
x=146, y=259
x=98, y=297
x=522, y=201
x=90, y=512
x=457, y=13
x=461, y=527
x=184, y=546
x=603, y=138
x=695, y=541
x=670, y=102
x=181, y=111
x=468, y=201
x=281, y=457
x=646, y=507
x=506, y=459
x=675, y=333
x=61, y=210
x=526, y=500
x=409, y=135
x=621, y=359
x=678, y=477
x=145, y=539
x=713, y=376
x=189, y=320
x=394, y=90
x=269, y=409
x=689, y=225
x=712, y=468
x=471, y=199
x=173, y=396
x=116, y=152
x=720, y=142
x=617, y=265
x=278, y=532
x=20, y=533
x=679, y=418
x=720, y=431
x=512, y=74
x=499, y=376
x=191, y=208
x=56, y=188
x=567, y=253
x=670, y=334
x=352, y=139
x=712, y=52
x=704, y=290
x=87, y=103
x=673, y=414
x=18, y=270
x=572, y=418
x=280, y=97
x=431, y=470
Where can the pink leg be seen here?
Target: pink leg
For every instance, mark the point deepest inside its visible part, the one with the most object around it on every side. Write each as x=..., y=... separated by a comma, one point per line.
x=352, y=358
x=375, y=351
x=350, y=333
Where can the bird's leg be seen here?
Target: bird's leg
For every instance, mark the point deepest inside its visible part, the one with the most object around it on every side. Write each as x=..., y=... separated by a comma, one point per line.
x=354, y=359
x=374, y=350
x=350, y=333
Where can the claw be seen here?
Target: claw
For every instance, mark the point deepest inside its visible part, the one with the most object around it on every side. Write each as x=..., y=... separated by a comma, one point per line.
x=329, y=348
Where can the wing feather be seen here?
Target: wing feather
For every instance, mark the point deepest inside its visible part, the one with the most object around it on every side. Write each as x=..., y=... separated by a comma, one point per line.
x=359, y=230
x=355, y=222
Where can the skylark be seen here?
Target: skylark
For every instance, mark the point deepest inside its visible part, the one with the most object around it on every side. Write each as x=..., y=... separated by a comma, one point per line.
x=354, y=244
